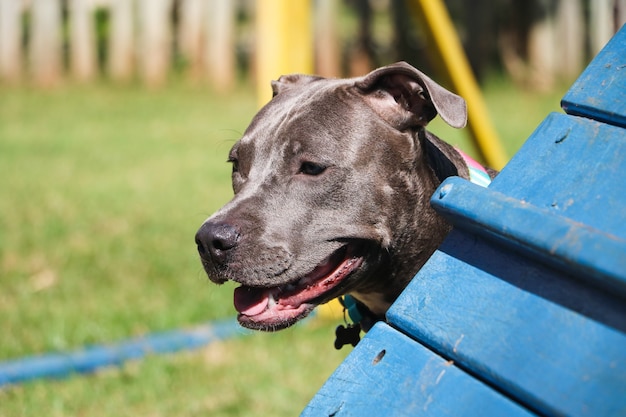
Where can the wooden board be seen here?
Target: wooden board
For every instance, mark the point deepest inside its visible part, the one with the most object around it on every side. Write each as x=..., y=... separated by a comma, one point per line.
x=600, y=91
x=524, y=304
x=488, y=311
x=578, y=250
x=573, y=167
x=388, y=374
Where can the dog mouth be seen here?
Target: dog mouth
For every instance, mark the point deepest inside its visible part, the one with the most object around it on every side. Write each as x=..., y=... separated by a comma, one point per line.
x=275, y=308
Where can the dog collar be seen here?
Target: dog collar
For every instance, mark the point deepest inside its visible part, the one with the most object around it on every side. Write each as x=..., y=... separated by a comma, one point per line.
x=477, y=174
x=351, y=306
x=362, y=319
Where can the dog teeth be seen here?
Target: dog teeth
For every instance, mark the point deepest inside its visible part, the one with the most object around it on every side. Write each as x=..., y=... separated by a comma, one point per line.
x=271, y=301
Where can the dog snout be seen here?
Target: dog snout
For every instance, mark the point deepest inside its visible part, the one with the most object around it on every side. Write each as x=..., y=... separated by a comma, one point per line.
x=216, y=240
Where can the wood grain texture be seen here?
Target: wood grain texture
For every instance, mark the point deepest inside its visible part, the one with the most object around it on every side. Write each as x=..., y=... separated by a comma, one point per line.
x=552, y=359
x=388, y=374
x=600, y=91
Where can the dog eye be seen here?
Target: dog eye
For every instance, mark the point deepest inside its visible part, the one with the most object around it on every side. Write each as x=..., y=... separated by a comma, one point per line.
x=311, y=168
x=235, y=164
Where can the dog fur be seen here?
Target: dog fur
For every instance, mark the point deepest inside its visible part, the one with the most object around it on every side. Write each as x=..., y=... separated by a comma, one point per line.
x=332, y=181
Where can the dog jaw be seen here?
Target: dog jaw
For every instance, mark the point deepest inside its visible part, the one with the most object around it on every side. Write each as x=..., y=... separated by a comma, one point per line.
x=275, y=308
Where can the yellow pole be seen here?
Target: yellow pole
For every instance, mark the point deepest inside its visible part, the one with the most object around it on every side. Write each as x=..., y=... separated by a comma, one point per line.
x=284, y=42
x=446, y=43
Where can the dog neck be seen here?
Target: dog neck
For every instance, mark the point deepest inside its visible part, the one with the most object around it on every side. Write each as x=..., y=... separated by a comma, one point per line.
x=371, y=304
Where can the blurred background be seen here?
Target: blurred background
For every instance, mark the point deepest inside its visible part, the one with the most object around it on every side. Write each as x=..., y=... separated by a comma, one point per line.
x=535, y=42
x=116, y=117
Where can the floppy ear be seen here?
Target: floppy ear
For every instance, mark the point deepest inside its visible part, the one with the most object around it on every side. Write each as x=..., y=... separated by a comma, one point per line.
x=286, y=82
x=405, y=97
x=442, y=158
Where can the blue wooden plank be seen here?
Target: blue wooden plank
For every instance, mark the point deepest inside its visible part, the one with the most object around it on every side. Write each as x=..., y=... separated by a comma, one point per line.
x=388, y=374
x=600, y=91
x=487, y=310
x=591, y=255
x=527, y=294
x=573, y=167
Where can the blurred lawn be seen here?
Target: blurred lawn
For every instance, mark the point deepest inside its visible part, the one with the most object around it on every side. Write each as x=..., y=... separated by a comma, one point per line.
x=101, y=191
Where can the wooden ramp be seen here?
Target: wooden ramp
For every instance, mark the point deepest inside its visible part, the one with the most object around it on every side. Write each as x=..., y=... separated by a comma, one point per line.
x=522, y=310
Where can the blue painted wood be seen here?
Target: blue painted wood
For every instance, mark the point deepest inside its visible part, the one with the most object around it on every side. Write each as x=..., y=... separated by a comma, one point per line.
x=535, y=273
x=489, y=311
x=527, y=295
x=388, y=374
x=575, y=168
x=593, y=256
x=600, y=91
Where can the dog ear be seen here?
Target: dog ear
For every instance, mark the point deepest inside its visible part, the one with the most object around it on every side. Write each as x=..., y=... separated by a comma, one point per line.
x=405, y=97
x=442, y=157
x=286, y=82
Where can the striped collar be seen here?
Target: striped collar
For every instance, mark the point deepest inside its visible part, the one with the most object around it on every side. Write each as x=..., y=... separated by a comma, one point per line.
x=477, y=174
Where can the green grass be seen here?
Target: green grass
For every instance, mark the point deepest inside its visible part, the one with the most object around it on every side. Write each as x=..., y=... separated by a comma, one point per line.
x=259, y=375
x=101, y=191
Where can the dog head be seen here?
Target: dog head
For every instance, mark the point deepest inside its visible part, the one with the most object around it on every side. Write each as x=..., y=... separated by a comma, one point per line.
x=332, y=181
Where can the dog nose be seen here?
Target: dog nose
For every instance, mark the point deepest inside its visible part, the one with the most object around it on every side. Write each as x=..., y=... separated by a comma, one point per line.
x=216, y=239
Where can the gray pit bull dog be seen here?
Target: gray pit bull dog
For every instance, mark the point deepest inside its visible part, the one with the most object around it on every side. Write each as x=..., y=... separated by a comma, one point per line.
x=332, y=181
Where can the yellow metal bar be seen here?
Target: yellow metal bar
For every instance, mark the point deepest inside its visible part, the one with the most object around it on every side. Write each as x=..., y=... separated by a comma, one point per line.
x=439, y=28
x=284, y=42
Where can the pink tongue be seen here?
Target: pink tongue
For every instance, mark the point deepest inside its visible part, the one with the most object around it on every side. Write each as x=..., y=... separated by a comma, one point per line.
x=251, y=301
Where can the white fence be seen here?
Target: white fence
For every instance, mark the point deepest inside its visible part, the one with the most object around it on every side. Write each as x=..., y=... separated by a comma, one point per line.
x=36, y=35
x=45, y=41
